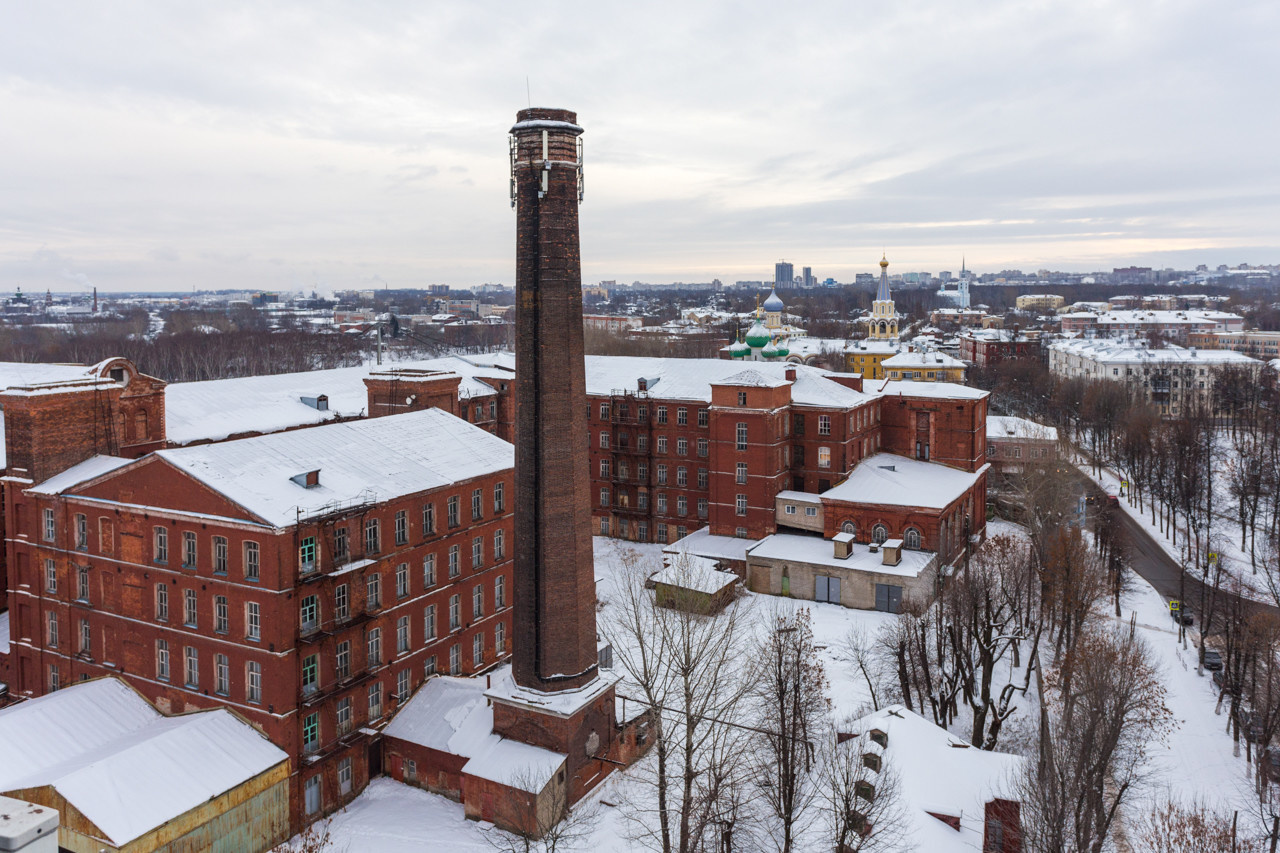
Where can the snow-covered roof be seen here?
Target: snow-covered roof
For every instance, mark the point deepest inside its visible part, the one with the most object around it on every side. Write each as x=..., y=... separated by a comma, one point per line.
x=1111, y=351
x=753, y=378
x=452, y=715
x=933, y=360
x=934, y=390
x=691, y=572
x=940, y=773
x=1147, y=316
x=124, y=766
x=703, y=543
x=692, y=378
x=220, y=408
x=90, y=469
x=820, y=552
x=891, y=480
x=18, y=374
x=1001, y=426
x=363, y=460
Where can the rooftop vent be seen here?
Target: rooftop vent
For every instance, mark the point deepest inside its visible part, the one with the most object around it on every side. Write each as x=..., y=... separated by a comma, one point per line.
x=320, y=402
x=308, y=480
x=889, y=467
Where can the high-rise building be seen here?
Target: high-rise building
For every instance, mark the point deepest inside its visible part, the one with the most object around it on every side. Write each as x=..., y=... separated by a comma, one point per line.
x=784, y=275
x=809, y=280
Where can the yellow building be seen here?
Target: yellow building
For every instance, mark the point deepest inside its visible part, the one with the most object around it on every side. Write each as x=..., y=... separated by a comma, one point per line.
x=926, y=366
x=1040, y=302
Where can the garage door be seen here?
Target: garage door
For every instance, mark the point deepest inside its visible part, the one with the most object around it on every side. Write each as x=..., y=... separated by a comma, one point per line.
x=888, y=598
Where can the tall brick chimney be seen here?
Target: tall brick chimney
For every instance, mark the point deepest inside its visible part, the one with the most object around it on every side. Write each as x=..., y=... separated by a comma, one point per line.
x=554, y=643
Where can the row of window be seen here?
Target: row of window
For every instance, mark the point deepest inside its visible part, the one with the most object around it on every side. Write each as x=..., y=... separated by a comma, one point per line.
x=222, y=685
x=310, y=615
x=250, y=553
x=221, y=614
x=308, y=547
x=660, y=413
x=640, y=531
x=880, y=533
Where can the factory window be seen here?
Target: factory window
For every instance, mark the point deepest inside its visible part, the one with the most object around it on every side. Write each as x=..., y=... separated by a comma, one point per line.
x=219, y=555
x=189, y=550
x=741, y=504
x=162, y=603
x=49, y=529
x=82, y=529
x=682, y=416
x=402, y=527
x=704, y=417
x=311, y=740
x=253, y=682
x=824, y=425
x=252, y=558
x=477, y=504
x=372, y=536
x=428, y=519
x=454, y=511
x=160, y=544
x=742, y=436
x=162, y=660
x=499, y=497
x=220, y=618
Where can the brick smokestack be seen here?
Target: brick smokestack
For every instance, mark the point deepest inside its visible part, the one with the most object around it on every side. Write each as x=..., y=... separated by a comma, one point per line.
x=554, y=647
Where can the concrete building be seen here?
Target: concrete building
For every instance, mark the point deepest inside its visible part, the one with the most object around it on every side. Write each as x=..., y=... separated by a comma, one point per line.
x=1045, y=303
x=784, y=275
x=1255, y=344
x=1168, y=377
x=1176, y=325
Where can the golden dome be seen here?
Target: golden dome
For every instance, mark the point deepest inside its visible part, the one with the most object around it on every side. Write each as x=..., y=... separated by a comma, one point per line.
x=884, y=262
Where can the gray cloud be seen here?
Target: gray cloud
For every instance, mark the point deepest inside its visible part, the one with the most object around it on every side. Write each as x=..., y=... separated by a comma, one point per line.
x=271, y=145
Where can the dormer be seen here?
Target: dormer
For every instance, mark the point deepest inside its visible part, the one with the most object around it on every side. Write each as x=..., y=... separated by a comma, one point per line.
x=307, y=479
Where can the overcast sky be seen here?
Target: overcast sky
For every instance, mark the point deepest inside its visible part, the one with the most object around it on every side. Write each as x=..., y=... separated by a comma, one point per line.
x=331, y=145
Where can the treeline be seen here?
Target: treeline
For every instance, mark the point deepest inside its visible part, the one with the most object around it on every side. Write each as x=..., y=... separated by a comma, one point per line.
x=197, y=350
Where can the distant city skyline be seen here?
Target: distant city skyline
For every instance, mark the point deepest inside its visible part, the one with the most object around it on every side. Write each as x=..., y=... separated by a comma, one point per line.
x=160, y=147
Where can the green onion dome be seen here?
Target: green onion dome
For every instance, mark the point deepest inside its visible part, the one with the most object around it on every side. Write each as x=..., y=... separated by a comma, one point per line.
x=757, y=335
x=739, y=350
x=770, y=350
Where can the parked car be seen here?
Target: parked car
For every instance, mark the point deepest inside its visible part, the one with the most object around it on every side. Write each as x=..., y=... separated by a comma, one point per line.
x=1212, y=660
x=1250, y=725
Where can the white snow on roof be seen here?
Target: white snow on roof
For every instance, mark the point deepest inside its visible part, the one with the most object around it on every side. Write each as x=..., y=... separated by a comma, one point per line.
x=1110, y=351
x=890, y=480
x=821, y=552
x=375, y=459
x=753, y=378
x=123, y=765
x=1000, y=426
x=703, y=543
x=938, y=772
x=692, y=378
x=698, y=574
x=935, y=360
x=452, y=715
x=933, y=390
x=89, y=469
x=16, y=374
x=217, y=409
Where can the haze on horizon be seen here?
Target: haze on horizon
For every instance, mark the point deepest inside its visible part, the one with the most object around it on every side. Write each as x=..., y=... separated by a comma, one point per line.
x=155, y=146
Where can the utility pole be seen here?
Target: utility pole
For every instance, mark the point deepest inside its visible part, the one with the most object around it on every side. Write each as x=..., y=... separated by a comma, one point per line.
x=379, y=342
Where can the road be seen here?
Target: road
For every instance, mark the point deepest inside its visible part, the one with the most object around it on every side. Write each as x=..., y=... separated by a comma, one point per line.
x=1153, y=563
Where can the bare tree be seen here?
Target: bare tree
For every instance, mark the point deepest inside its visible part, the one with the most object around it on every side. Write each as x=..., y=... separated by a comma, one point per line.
x=690, y=670
x=1094, y=742
x=860, y=797
x=789, y=695
x=1172, y=827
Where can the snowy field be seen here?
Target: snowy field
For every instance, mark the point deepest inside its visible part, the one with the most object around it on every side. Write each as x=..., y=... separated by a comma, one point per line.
x=1197, y=762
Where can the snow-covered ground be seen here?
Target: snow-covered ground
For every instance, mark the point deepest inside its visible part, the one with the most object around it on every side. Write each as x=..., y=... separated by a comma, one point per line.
x=1196, y=763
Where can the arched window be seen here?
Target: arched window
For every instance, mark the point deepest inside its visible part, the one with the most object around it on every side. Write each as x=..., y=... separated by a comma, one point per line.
x=879, y=533
x=849, y=527
x=911, y=539
x=140, y=424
